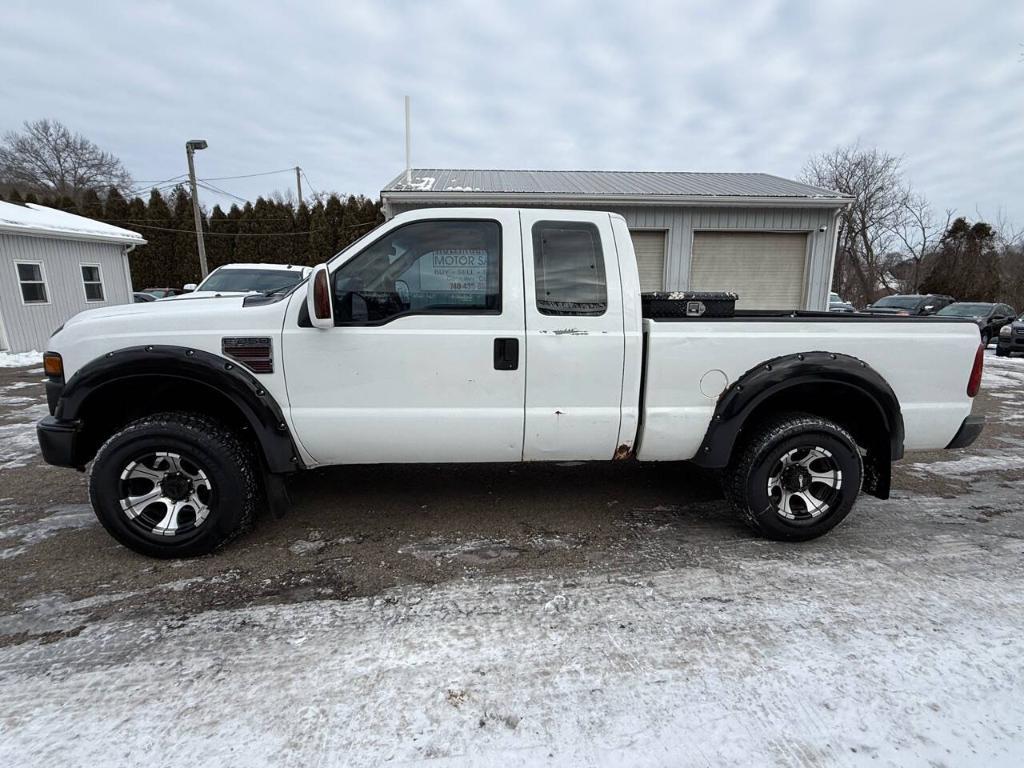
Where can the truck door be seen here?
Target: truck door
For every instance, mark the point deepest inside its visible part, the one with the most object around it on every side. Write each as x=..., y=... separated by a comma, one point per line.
x=425, y=362
x=574, y=336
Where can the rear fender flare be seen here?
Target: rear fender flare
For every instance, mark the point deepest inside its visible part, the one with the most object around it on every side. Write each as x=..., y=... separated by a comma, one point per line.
x=779, y=374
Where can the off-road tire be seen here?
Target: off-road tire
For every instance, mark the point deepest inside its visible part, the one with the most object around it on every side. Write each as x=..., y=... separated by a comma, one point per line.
x=230, y=464
x=746, y=479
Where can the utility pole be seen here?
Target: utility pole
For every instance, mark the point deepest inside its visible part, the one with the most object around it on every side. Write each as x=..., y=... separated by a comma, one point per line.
x=190, y=149
x=298, y=182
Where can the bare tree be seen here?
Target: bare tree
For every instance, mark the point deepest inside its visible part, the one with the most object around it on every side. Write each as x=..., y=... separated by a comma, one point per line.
x=918, y=231
x=47, y=158
x=867, y=246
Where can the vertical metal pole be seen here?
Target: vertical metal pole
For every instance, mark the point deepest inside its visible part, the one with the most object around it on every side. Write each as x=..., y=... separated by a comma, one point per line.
x=408, y=141
x=298, y=183
x=195, y=210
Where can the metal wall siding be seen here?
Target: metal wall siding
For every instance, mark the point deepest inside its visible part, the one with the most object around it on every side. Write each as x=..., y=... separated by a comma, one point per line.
x=28, y=326
x=680, y=223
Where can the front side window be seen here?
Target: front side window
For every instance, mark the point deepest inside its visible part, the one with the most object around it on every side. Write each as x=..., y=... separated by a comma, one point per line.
x=568, y=268
x=33, y=284
x=427, y=267
x=93, y=282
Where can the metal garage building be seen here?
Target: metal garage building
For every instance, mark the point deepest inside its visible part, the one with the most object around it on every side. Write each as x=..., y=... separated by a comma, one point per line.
x=769, y=239
x=54, y=264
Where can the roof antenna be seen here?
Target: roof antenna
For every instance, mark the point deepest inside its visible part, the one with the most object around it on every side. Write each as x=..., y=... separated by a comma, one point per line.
x=408, y=144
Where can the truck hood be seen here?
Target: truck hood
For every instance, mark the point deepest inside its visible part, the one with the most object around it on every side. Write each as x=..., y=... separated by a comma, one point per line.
x=215, y=303
x=201, y=323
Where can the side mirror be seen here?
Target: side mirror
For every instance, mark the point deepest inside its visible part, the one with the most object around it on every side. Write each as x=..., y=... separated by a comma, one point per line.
x=929, y=308
x=189, y=287
x=318, y=298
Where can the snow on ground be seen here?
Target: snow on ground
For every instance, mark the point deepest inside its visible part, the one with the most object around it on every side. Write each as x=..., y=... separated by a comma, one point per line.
x=34, y=531
x=20, y=359
x=821, y=655
x=20, y=409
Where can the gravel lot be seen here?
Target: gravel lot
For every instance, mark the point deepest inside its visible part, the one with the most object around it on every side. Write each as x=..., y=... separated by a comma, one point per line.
x=573, y=614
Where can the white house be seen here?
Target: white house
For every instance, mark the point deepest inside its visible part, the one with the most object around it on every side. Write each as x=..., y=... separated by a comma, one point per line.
x=54, y=264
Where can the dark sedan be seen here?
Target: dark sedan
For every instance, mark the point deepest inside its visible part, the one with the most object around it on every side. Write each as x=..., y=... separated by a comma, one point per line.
x=913, y=304
x=989, y=317
x=1011, y=338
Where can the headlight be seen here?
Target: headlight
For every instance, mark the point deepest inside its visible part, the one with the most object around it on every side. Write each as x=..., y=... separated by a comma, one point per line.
x=1005, y=330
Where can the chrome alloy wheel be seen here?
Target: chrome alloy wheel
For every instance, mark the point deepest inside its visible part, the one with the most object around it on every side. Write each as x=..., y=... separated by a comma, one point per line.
x=165, y=494
x=804, y=484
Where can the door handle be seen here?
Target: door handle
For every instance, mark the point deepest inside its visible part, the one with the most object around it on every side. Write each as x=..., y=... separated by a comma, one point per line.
x=506, y=354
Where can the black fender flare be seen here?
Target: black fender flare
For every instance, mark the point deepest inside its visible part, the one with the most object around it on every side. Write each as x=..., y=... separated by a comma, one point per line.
x=775, y=376
x=229, y=378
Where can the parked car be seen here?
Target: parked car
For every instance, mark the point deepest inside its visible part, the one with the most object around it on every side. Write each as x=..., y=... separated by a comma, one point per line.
x=489, y=335
x=1011, y=338
x=240, y=279
x=836, y=304
x=162, y=293
x=140, y=297
x=914, y=305
x=989, y=317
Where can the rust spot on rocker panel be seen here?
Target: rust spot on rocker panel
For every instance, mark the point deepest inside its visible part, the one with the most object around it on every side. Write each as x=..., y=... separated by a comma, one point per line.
x=623, y=452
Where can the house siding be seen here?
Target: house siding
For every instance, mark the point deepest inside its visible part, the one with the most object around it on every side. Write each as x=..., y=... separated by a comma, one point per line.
x=680, y=223
x=29, y=326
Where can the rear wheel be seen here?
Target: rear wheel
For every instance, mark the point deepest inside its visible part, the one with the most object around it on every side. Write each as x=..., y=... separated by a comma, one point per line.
x=795, y=478
x=174, y=485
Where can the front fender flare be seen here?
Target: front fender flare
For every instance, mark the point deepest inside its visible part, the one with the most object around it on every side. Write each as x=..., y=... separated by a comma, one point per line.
x=259, y=408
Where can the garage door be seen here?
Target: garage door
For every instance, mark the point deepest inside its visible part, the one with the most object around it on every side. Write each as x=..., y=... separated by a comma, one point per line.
x=650, y=258
x=766, y=269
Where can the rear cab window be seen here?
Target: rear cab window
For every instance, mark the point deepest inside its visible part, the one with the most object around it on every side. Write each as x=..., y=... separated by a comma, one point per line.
x=568, y=266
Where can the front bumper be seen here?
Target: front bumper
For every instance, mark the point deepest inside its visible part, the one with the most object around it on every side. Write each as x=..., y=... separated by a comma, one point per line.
x=968, y=432
x=58, y=441
x=1011, y=343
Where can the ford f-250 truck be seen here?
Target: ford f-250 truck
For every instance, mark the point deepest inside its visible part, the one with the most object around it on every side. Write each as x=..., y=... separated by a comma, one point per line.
x=488, y=335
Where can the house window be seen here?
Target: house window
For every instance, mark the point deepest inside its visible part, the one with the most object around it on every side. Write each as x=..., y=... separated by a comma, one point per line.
x=93, y=282
x=32, y=281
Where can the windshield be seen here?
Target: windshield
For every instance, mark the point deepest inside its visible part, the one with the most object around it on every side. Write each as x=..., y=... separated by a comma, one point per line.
x=898, y=302
x=243, y=280
x=965, y=310
x=834, y=298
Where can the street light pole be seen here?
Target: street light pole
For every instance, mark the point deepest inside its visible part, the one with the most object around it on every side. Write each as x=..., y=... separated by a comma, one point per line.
x=190, y=149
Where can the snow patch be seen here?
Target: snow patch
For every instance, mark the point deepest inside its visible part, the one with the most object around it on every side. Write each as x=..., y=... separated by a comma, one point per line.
x=969, y=465
x=20, y=359
x=31, y=533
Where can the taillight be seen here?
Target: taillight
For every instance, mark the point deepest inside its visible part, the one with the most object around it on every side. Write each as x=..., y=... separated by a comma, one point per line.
x=974, y=383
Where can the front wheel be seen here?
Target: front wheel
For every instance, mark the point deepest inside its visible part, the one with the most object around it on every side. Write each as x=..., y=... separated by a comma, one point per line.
x=795, y=478
x=174, y=485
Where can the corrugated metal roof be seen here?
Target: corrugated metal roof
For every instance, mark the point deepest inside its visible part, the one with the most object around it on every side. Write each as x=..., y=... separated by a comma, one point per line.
x=612, y=183
x=32, y=219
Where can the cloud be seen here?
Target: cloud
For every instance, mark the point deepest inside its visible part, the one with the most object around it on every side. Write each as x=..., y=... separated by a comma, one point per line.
x=651, y=86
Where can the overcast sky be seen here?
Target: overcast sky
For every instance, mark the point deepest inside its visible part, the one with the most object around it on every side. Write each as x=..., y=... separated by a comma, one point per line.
x=628, y=86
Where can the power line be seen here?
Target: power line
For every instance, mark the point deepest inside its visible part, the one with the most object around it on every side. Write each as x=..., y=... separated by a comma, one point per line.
x=310, y=183
x=219, y=191
x=249, y=175
x=247, y=234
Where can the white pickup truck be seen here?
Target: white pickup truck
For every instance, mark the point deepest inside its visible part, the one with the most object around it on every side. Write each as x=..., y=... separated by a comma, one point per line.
x=488, y=335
